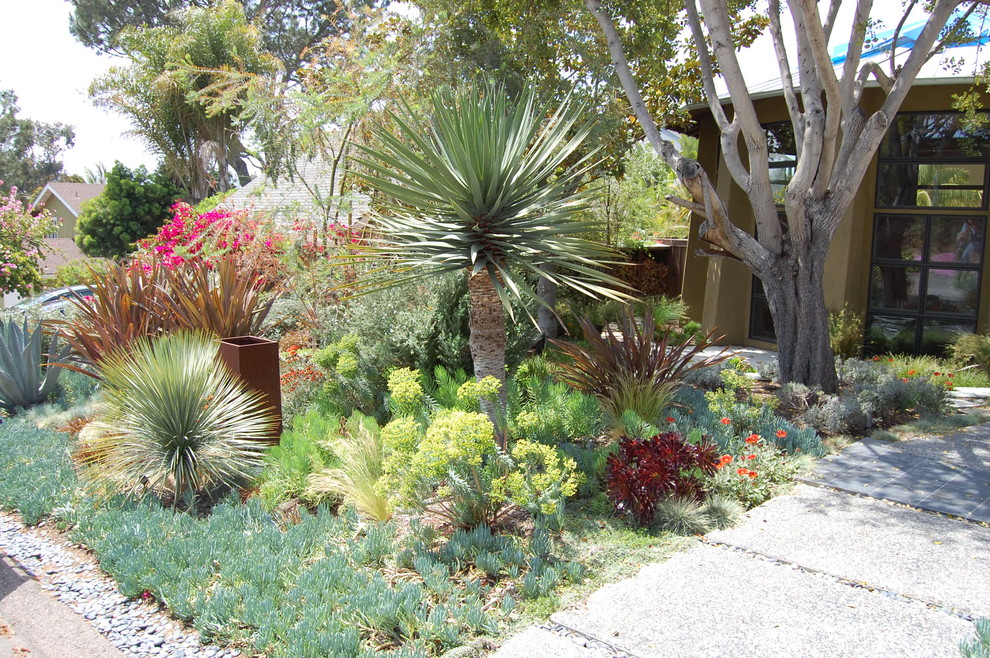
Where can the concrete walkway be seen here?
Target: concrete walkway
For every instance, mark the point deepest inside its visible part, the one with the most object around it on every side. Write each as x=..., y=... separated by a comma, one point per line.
x=818, y=572
x=34, y=624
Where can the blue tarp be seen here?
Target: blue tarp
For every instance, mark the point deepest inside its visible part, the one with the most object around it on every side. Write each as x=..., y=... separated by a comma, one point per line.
x=882, y=41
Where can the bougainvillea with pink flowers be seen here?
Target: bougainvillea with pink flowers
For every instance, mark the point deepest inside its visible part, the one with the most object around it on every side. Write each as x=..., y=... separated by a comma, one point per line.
x=22, y=244
x=211, y=237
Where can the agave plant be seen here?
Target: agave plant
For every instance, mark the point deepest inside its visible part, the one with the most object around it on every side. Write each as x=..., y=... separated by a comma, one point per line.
x=173, y=418
x=490, y=187
x=24, y=379
x=637, y=370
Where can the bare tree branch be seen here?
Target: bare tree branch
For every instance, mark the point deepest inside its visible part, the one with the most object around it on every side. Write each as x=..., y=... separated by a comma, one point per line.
x=684, y=203
x=897, y=37
x=850, y=90
x=833, y=12
x=784, y=66
x=757, y=184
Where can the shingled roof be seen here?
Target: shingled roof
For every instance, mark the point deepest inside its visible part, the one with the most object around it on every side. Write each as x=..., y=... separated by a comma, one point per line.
x=297, y=198
x=73, y=195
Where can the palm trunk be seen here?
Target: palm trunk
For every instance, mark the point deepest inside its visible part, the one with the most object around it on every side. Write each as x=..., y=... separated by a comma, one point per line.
x=796, y=298
x=546, y=319
x=487, y=340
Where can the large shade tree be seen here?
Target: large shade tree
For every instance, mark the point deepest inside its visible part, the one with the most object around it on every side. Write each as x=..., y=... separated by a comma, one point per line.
x=836, y=135
x=30, y=151
x=481, y=185
x=184, y=89
x=290, y=29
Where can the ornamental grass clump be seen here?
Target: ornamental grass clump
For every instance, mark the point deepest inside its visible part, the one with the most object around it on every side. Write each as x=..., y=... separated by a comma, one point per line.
x=639, y=369
x=174, y=420
x=358, y=449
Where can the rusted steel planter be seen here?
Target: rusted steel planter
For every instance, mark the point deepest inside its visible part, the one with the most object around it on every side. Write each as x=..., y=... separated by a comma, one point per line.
x=255, y=361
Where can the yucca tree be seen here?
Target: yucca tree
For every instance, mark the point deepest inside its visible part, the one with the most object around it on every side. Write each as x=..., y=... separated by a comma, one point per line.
x=491, y=186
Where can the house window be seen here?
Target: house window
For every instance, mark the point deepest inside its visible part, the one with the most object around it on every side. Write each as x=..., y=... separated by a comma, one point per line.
x=933, y=160
x=924, y=281
x=927, y=264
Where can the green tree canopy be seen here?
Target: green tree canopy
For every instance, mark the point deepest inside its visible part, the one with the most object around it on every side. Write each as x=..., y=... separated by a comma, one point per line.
x=30, y=151
x=133, y=205
x=183, y=91
x=289, y=28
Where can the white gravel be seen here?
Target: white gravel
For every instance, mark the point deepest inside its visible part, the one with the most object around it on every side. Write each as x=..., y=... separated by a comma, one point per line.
x=137, y=628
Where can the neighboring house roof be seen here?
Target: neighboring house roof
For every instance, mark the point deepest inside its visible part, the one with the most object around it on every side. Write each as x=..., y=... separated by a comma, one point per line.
x=73, y=195
x=65, y=251
x=307, y=193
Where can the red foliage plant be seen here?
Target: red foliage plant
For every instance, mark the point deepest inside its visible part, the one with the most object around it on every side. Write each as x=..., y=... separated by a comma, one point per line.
x=645, y=471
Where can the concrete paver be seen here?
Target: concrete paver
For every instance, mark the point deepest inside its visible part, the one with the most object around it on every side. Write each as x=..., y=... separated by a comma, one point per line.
x=933, y=473
x=923, y=556
x=536, y=641
x=713, y=601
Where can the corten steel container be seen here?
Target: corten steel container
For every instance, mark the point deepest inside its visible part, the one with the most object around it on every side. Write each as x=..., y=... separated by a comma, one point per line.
x=255, y=360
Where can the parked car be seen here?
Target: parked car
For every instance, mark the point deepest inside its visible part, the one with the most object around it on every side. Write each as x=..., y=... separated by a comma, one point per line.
x=54, y=297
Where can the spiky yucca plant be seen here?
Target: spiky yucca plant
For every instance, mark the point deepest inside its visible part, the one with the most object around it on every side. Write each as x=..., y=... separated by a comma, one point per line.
x=23, y=378
x=174, y=418
x=489, y=186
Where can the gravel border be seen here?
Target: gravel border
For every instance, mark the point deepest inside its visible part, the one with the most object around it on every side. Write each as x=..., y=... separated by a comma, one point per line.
x=73, y=576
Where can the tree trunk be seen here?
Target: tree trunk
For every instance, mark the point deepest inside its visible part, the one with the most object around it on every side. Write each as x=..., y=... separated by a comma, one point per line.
x=796, y=296
x=487, y=340
x=546, y=319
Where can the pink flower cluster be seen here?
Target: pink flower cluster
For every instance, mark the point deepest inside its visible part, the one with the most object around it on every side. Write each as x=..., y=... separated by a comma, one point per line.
x=210, y=237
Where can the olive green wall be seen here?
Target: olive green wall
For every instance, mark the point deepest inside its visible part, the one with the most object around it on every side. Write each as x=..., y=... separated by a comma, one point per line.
x=60, y=210
x=718, y=291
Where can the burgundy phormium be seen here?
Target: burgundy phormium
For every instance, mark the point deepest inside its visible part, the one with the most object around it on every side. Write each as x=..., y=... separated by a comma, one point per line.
x=645, y=471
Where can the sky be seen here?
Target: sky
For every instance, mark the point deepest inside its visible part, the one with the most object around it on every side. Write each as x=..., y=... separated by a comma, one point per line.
x=50, y=71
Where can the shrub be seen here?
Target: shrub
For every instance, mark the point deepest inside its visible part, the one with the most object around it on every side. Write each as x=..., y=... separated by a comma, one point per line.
x=405, y=392
x=358, y=449
x=299, y=453
x=127, y=304
x=149, y=300
x=22, y=243
x=845, y=332
x=454, y=470
x=837, y=414
x=24, y=378
x=212, y=237
x=173, y=418
x=541, y=481
x=132, y=206
x=727, y=422
x=644, y=472
x=972, y=348
x=752, y=471
x=885, y=394
x=552, y=413
x=640, y=368
x=224, y=300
